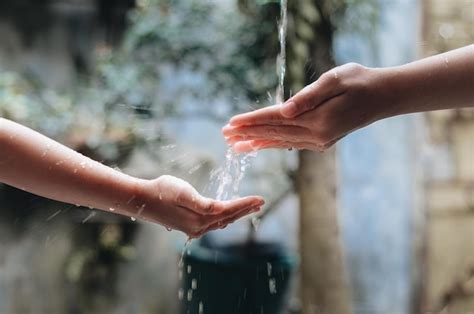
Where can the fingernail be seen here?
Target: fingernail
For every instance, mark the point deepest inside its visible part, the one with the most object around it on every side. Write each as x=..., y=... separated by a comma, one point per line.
x=228, y=130
x=289, y=109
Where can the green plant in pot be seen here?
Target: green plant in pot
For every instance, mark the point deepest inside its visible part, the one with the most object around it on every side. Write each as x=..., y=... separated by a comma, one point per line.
x=238, y=278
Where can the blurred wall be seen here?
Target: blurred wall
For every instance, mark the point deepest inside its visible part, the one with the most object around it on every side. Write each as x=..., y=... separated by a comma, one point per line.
x=54, y=40
x=449, y=260
x=379, y=168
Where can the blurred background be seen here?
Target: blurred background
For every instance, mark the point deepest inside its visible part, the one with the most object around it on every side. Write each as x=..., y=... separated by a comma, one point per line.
x=380, y=224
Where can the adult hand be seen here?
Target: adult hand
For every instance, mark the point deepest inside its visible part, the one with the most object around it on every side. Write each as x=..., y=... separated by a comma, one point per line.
x=175, y=204
x=340, y=101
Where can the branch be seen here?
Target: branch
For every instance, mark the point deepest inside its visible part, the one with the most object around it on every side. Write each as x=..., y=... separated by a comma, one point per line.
x=269, y=209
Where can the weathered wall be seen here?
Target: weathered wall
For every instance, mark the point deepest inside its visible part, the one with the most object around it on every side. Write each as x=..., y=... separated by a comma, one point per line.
x=378, y=175
x=449, y=261
x=53, y=41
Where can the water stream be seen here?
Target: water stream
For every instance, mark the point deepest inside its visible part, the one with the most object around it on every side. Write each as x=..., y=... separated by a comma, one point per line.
x=231, y=174
x=229, y=177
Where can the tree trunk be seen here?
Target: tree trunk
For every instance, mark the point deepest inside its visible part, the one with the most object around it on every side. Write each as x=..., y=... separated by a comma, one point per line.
x=324, y=282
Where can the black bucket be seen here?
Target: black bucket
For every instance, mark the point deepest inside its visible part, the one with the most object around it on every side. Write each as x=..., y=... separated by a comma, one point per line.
x=250, y=278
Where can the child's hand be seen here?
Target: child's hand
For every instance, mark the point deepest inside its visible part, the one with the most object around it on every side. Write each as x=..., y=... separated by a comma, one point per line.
x=175, y=204
x=339, y=102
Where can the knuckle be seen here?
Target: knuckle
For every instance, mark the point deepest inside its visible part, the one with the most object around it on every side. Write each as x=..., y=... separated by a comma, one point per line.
x=353, y=68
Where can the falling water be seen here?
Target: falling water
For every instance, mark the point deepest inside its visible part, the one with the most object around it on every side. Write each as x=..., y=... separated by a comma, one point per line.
x=281, y=59
x=229, y=177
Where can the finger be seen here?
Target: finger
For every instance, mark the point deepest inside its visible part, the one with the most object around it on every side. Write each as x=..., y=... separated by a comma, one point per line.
x=247, y=146
x=254, y=145
x=313, y=95
x=268, y=115
x=221, y=222
x=228, y=215
x=214, y=207
x=234, y=139
x=218, y=224
x=270, y=132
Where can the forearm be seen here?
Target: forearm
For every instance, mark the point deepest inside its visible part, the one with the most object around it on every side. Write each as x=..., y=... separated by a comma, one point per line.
x=444, y=81
x=37, y=164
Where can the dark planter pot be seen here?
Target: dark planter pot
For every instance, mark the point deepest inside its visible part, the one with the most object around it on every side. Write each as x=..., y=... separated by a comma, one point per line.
x=239, y=279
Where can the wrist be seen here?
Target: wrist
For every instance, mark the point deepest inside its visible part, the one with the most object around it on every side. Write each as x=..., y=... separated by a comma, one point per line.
x=135, y=198
x=389, y=92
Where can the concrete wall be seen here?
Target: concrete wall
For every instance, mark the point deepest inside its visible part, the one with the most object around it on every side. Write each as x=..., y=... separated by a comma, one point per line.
x=449, y=264
x=379, y=181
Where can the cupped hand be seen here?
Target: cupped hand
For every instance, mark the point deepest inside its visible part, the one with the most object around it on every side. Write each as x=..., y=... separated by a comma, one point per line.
x=340, y=101
x=175, y=204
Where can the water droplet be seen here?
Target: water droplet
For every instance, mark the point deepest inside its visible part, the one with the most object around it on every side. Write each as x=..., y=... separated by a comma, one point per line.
x=45, y=152
x=83, y=164
x=170, y=146
x=160, y=196
x=169, y=229
x=112, y=209
x=75, y=170
x=272, y=286
x=190, y=295
x=189, y=269
x=269, y=269
x=194, y=284
x=255, y=223
x=53, y=215
x=59, y=162
x=133, y=219
x=270, y=98
x=201, y=308
x=180, y=294
x=446, y=30
x=92, y=214
x=141, y=209
x=196, y=168
x=131, y=199
x=181, y=260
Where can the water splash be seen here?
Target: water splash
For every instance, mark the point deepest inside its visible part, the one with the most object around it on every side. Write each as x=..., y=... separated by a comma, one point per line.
x=229, y=176
x=89, y=216
x=281, y=59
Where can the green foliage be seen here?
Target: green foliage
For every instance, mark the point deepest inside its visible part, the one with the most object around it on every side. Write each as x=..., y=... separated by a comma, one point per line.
x=232, y=54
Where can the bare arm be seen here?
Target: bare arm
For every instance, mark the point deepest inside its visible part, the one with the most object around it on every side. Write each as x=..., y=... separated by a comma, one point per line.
x=444, y=81
x=351, y=96
x=35, y=163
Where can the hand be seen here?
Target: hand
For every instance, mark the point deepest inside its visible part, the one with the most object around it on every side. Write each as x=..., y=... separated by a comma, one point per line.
x=175, y=204
x=340, y=101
